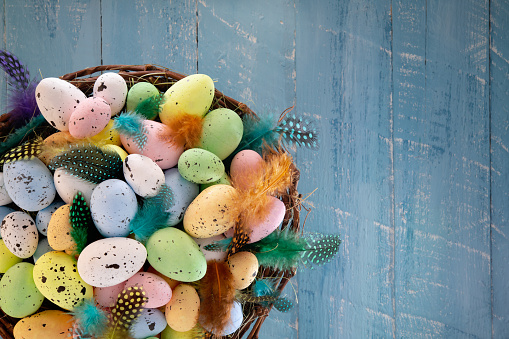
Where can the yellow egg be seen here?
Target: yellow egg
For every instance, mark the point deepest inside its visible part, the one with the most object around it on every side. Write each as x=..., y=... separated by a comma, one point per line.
x=120, y=151
x=170, y=333
x=59, y=230
x=107, y=136
x=210, y=213
x=182, y=310
x=56, y=142
x=244, y=268
x=7, y=259
x=50, y=324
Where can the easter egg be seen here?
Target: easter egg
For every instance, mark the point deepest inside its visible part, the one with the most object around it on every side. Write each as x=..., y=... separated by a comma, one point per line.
x=42, y=248
x=171, y=282
x=19, y=297
x=210, y=213
x=224, y=180
x=57, y=99
x=113, y=89
x=143, y=175
x=49, y=324
x=67, y=185
x=192, y=95
x=110, y=261
x=57, y=142
x=20, y=234
x=244, y=268
x=7, y=258
x=57, y=278
x=59, y=230
x=108, y=135
x=200, y=166
x=89, y=118
x=175, y=254
x=211, y=255
x=4, y=196
x=44, y=216
x=113, y=205
x=222, y=132
x=150, y=322
x=184, y=193
x=29, y=184
x=234, y=322
x=170, y=333
x=156, y=289
x=139, y=92
x=4, y=210
x=114, y=148
x=182, y=310
x=108, y=296
x=245, y=166
x=164, y=153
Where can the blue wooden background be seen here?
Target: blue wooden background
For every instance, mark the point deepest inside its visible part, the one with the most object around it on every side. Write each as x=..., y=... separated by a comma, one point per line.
x=412, y=97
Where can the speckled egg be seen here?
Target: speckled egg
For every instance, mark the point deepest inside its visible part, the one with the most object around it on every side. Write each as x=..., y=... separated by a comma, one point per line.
x=210, y=213
x=57, y=278
x=44, y=216
x=150, y=322
x=156, y=289
x=42, y=248
x=143, y=175
x=164, y=154
x=244, y=268
x=244, y=167
x=192, y=95
x=19, y=297
x=57, y=99
x=175, y=254
x=20, y=234
x=107, y=262
x=211, y=255
x=184, y=193
x=50, y=324
x=89, y=118
x=108, y=135
x=222, y=132
x=182, y=310
x=4, y=196
x=67, y=185
x=171, y=282
x=29, y=184
x=170, y=333
x=139, y=92
x=113, y=205
x=4, y=210
x=108, y=296
x=57, y=141
x=224, y=180
x=7, y=258
x=114, y=148
x=59, y=230
x=200, y=166
x=113, y=89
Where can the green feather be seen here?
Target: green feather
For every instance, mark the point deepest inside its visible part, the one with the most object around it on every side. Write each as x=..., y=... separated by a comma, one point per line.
x=15, y=137
x=150, y=107
x=81, y=221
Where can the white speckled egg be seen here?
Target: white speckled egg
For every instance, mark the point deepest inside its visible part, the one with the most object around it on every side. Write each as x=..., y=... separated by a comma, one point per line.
x=113, y=89
x=113, y=204
x=150, y=322
x=68, y=185
x=4, y=210
x=44, y=216
x=57, y=99
x=29, y=184
x=143, y=175
x=20, y=234
x=184, y=193
x=4, y=196
x=107, y=262
x=89, y=118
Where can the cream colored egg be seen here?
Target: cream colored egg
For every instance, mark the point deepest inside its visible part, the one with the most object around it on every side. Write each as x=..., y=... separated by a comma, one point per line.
x=244, y=268
x=59, y=230
x=182, y=310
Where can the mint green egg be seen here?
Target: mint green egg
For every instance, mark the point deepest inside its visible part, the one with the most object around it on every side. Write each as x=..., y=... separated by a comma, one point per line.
x=222, y=132
x=19, y=297
x=175, y=254
x=139, y=92
x=224, y=180
x=7, y=258
x=200, y=166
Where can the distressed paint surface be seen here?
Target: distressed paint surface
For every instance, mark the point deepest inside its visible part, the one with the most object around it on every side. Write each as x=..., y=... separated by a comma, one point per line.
x=412, y=97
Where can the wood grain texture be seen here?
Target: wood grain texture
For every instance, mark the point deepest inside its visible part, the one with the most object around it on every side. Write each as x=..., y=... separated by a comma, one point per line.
x=442, y=169
x=499, y=92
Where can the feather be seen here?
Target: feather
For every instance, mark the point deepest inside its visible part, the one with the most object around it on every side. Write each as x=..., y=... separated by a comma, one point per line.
x=217, y=295
x=241, y=236
x=81, y=221
x=183, y=130
x=91, y=319
x=18, y=73
x=130, y=124
x=321, y=248
x=218, y=246
x=150, y=107
x=19, y=134
x=89, y=163
x=152, y=215
x=298, y=131
x=264, y=292
x=128, y=307
x=26, y=151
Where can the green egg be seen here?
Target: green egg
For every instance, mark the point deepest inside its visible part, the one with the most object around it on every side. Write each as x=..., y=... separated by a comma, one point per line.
x=176, y=255
x=224, y=180
x=222, y=132
x=7, y=259
x=19, y=297
x=139, y=92
x=200, y=166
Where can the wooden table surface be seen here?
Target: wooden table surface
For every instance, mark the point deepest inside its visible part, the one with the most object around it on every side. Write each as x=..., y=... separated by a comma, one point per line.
x=412, y=98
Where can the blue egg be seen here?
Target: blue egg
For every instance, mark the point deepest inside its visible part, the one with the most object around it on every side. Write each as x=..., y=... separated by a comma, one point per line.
x=184, y=193
x=150, y=323
x=43, y=216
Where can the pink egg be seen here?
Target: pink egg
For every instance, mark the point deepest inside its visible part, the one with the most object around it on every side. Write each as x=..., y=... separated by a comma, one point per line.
x=263, y=227
x=89, y=118
x=164, y=154
x=156, y=288
x=107, y=296
x=243, y=166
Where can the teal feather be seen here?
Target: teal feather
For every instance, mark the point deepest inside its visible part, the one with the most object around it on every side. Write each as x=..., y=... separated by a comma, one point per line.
x=130, y=124
x=81, y=221
x=150, y=107
x=298, y=131
x=264, y=292
x=321, y=248
x=218, y=246
x=92, y=320
x=19, y=134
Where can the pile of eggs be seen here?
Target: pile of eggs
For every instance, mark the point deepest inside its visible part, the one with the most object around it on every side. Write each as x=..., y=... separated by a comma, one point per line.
x=36, y=249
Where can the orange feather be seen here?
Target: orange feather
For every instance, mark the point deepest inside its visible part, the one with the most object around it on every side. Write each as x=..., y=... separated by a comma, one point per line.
x=184, y=130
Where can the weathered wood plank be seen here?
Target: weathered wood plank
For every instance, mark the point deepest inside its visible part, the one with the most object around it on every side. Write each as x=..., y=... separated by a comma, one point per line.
x=248, y=47
x=499, y=106
x=3, y=82
x=344, y=81
x=150, y=32
x=441, y=162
